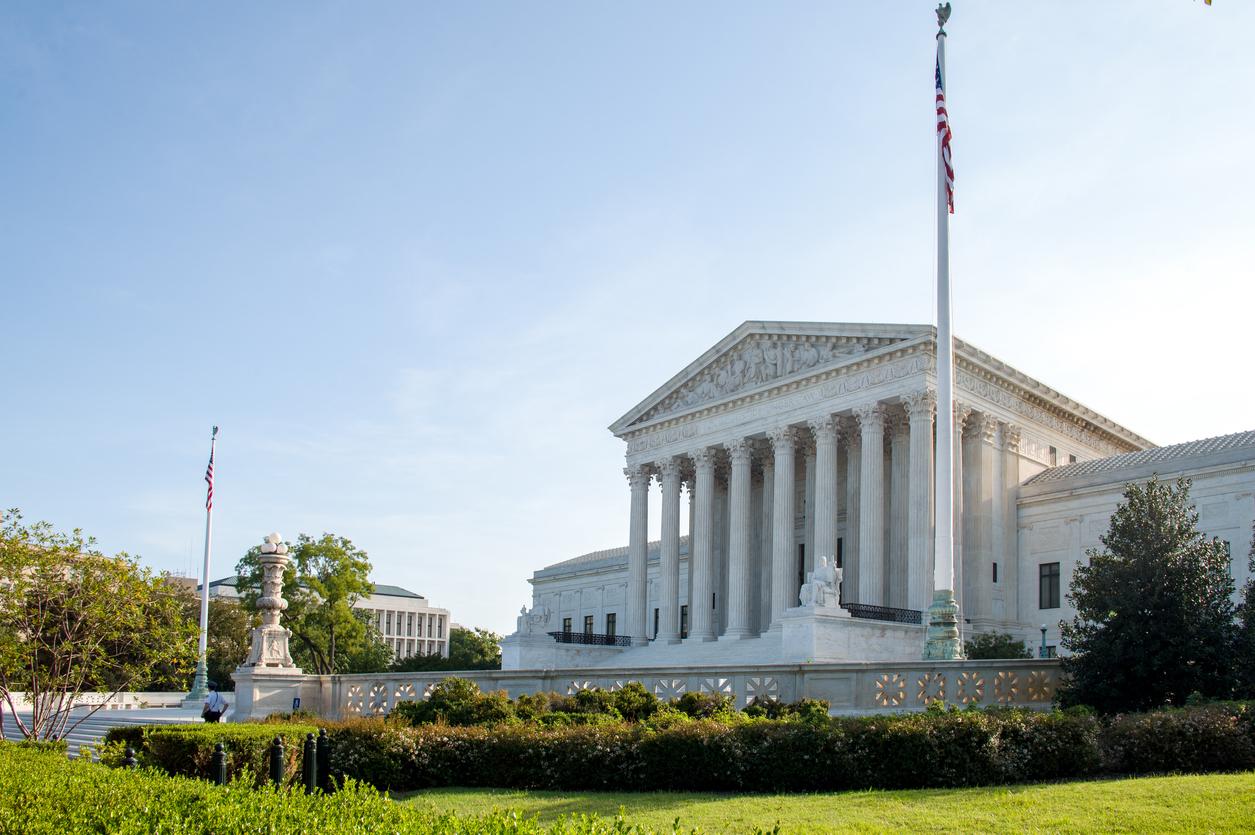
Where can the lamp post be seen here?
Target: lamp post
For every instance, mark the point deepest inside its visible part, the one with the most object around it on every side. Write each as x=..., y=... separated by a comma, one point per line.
x=1042, y=654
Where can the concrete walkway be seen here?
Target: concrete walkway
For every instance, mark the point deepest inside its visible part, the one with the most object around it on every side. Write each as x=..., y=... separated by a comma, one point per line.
x=92, y=730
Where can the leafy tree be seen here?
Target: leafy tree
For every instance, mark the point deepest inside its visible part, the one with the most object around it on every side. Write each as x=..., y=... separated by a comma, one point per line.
x=993, y=645
x=229, y=641
x=1154, y=616
x=469, y=649
x=74, y=621
x=1244, y=656
x=321, y=583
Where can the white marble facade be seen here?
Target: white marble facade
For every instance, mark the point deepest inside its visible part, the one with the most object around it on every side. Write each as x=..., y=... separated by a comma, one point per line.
x=798, y=445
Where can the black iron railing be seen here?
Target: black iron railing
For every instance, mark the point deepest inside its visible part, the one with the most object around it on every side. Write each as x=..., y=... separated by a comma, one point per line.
x=590, y=638
x=863, y=610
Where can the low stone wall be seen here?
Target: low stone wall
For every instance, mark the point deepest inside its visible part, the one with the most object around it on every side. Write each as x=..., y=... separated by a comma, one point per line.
x=851, y=688
x=118, y=701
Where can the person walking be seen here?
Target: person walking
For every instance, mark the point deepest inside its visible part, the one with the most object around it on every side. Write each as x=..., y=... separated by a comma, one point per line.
x=215, y=704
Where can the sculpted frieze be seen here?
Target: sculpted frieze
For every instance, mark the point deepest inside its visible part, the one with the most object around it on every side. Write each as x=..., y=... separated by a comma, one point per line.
x=1009, y=401
x=856, y=382
x=759, y=360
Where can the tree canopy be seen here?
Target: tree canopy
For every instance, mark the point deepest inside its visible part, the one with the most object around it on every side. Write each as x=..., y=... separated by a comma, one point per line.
x=469, y=649
x=993, y=645
x=1155, y=619
x=74, y=621
x=323, y=581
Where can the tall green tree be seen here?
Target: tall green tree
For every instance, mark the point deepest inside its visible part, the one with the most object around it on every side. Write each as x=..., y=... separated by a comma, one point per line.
x=74, y=621
x=1155, y=618
x=1244, y=654
x=323, y=581
x=469, y=649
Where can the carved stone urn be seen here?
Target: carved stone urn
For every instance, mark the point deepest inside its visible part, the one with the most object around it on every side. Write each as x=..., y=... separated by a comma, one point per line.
x=270, y=640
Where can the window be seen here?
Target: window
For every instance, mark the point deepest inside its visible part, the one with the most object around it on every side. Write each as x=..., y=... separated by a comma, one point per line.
x=1071, y=459
x=610, y=623
x=588, y=624
x=995, y=572
x=566, y=624
x=655, y=623
x=409, y=626
x=429, y=625
x=1048, y=586
x=440, y=627
x=684, y=621
x=1054, y=456
x=1049, y=652
x=388, y=631
x=409, y=648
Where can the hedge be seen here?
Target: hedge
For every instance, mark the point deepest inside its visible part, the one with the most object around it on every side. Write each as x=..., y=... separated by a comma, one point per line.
x=43, y=793
x=736, y=753
x=185, y=750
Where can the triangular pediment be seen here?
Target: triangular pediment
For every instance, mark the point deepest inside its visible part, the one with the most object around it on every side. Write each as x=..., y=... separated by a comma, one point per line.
x=758, y=355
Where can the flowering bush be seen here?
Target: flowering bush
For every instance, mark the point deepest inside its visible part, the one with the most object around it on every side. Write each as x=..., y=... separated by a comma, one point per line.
x=1215, y=737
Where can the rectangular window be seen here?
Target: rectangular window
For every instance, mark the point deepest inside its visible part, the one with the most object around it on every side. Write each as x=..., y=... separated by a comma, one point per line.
x=409, y=648
x=610, y=623
x=388, y=631
x=1048, y=586
x=430, y=625
x=995, y=572
x=1054, y=456
x=1050, y=653
x=440, y=627
x=566, y=624
x=588, y=624
x=684, y=621
x=655, y=623
x=1071, y=459
x=409, y=626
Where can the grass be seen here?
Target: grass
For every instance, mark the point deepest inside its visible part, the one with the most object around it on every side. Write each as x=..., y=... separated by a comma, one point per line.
x=1214, y=803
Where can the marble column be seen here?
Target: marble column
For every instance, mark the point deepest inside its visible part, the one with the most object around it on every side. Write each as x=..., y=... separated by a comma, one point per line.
x=739, y=525
x=871, y=536
x=921, y=407
x=638, y=555
x=701, y=548
x=808, y=530
x=961, y=412
x=853, y=443
x=669, y=558
x=1009, y=555
x=825, y=430
x=978, y=515
x=783, y=441
x=768, y=539
x=899, y=529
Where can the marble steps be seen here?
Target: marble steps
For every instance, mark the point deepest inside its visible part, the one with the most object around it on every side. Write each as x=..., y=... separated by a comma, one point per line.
x=91, y=731
x=730, y=652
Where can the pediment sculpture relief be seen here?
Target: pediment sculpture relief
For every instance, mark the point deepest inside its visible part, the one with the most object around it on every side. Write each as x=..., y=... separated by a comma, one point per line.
x=757, y=361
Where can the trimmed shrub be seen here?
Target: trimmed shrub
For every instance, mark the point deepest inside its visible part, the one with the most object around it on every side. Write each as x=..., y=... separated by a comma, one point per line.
x=1214, y=737
x=185, y=750
x=45, y=794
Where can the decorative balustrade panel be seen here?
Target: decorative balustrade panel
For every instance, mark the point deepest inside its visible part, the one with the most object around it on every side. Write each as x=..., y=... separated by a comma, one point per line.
x=590, y=638
x=869, y=612
x=849, y=688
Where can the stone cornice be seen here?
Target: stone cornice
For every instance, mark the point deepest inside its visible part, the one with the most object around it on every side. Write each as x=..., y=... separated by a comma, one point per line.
x=977, y=373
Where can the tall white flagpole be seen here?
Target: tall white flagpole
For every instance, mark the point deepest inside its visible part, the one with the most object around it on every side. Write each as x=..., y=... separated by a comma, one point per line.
x=943, y=632
x=199, y=688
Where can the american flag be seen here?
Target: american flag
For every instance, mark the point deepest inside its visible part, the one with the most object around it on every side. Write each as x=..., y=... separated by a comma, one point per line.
x=209, y=476
x=943, y=133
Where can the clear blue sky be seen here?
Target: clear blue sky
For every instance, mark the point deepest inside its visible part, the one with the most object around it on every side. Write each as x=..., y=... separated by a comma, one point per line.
x=413, y=258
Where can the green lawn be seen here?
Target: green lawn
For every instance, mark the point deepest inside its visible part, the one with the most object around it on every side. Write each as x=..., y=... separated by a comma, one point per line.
x=1219, y=803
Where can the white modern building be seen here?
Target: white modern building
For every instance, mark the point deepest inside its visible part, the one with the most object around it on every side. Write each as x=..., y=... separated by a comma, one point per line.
x=802, y=446
x=407, y=622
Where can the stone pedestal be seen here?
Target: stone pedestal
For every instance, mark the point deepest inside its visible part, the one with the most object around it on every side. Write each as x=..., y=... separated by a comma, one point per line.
x=819, y=634
x=269, y=680
x=261, y=691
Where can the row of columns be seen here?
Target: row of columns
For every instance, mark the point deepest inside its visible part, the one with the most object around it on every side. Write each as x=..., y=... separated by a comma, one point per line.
x=898, y=546
x=907, y=533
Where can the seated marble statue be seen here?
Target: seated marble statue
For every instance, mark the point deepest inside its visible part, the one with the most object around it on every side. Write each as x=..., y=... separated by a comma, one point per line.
x=534, y=620
x=822, y=586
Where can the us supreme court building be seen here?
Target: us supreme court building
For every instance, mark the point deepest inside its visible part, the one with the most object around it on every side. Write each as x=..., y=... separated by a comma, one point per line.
x=805, y=454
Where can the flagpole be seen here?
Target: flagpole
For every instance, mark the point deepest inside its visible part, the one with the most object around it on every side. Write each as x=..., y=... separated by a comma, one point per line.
x=943, y=632
x=199, y=687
